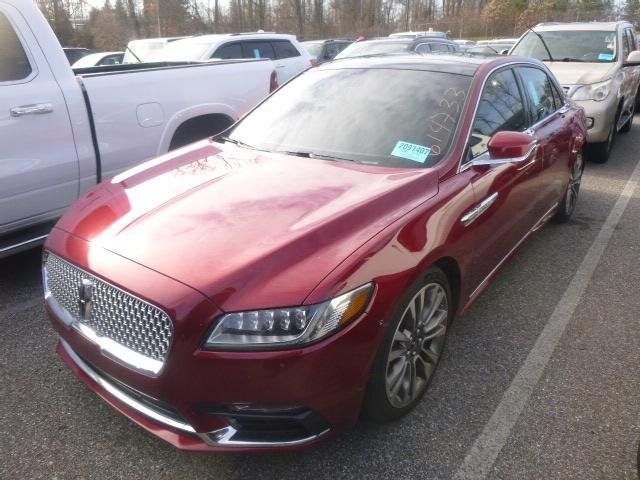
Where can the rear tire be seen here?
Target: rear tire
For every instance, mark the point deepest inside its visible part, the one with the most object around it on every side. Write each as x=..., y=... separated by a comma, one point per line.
x=411, y=349
x=570, y=197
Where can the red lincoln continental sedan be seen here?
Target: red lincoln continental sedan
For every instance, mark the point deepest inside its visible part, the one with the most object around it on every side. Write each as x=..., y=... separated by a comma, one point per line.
x=259, y=289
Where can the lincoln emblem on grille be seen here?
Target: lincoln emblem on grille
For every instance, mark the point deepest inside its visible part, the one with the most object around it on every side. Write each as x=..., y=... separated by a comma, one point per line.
x=86, y=292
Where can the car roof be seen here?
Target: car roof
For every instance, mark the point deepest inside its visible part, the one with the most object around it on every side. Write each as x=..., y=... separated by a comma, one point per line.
x=554, y=26
x=460, y=64
x=222, y=37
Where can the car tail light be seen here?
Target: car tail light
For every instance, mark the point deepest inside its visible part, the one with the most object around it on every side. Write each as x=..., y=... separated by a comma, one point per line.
x=313, y=62
x=273, y=82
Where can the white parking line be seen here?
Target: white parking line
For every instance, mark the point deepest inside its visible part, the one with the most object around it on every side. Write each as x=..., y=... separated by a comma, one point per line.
x=484, y=451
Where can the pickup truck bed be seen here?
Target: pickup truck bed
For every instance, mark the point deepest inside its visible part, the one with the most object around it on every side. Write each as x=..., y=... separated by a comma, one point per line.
x=63, y=130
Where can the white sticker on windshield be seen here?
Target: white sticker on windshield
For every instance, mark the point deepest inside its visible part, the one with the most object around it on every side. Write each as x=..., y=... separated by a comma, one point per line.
x=411, y=151
x=605, y=56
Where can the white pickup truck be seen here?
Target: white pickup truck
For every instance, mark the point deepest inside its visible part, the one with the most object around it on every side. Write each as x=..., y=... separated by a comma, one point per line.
x=62, y=131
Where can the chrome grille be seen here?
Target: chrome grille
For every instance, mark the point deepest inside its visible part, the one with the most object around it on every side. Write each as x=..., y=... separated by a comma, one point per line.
x=115, y=314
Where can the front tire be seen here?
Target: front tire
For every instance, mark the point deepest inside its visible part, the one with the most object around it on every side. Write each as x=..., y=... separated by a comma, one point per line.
x=411, y=350
x=570, y=197
x=601, y=151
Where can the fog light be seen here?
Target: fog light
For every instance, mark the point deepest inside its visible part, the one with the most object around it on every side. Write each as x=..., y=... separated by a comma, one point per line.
x=588, y=123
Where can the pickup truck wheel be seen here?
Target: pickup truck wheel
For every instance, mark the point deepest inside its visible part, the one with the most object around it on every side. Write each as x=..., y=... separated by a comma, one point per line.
x=411, y=350
x=570, y=197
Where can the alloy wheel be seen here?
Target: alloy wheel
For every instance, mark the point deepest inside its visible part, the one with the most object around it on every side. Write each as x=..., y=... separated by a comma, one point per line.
x=574, y=185
x=417, y=345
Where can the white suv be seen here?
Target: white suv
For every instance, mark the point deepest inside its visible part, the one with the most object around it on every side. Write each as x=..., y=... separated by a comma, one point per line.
x=289, y=56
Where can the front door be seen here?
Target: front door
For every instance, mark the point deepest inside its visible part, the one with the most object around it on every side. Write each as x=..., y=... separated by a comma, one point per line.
x=505, y=194
x=38, y=161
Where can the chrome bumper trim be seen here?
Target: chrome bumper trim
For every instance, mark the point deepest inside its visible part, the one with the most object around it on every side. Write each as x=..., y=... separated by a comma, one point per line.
x=122, y=396
x=222, y=437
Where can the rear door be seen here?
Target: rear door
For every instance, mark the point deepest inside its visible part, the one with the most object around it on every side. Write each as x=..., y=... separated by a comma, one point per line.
x=287, y=60
x=505, y=194
x=553, y=133
x=38, y=161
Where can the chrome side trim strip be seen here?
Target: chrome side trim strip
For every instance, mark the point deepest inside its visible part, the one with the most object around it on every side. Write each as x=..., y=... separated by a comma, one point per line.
x=122, y=396
x=537, y=225
x=31, y=241
x=482, y=207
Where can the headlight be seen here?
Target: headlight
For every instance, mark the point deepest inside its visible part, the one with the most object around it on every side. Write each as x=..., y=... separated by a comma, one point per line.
x=595, y=91
x=281, y=327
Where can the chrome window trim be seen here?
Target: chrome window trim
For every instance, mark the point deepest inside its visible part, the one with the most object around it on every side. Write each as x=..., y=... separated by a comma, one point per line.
x=465, y=165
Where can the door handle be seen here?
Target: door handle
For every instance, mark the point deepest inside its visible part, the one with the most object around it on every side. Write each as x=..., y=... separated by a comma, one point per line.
x=35, y=109
x=280, y=66
x=482, y=207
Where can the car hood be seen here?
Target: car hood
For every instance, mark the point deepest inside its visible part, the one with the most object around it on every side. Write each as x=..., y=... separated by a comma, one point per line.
x=577, y=73
x=248, y=229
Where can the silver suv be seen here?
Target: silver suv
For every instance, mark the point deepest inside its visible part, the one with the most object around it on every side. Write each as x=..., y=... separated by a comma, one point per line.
x=596, y=64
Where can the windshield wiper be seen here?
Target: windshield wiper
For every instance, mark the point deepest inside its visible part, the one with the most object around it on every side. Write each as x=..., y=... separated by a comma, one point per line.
x=238, y=143
x=570, y=59
x=321, y=156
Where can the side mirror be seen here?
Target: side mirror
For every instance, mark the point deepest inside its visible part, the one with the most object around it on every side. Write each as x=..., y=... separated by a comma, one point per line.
x=508, y=147
x=633, y=59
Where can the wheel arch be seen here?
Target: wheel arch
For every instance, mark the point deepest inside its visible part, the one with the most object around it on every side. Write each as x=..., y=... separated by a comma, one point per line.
x=199, y=113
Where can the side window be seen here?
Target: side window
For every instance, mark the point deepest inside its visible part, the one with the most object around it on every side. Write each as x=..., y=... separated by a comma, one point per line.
x=14, y=64
x=539, y=91
x=500, y=108
x=423, y=48
x=228, y=51
x=439, y=47
x=332, y=49
x=284, y=49
x=258, y=50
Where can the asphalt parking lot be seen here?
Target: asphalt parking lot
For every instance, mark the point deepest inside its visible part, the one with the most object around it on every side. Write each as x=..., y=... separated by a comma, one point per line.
x=503, y=403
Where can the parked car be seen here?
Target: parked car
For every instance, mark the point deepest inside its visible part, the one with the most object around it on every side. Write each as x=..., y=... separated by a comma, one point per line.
x=427, y=33
x=596, y=63
x=145, y=50
x=485, y=50
x=99, y=59
x=260, y=289
x=465, y=44
x=382, y=46
x=325, y=50
x=500, y=45
x=74, y=54
x=290, y=57
x=64, y=130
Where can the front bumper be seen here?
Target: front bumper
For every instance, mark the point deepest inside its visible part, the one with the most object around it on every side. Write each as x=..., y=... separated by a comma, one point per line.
x=601, y=114
x=205, y=400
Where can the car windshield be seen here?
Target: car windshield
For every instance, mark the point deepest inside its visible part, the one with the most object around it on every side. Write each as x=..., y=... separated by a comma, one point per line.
x=569, y=46
x=314, y=48
x=389, y=117
x=362, y=49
